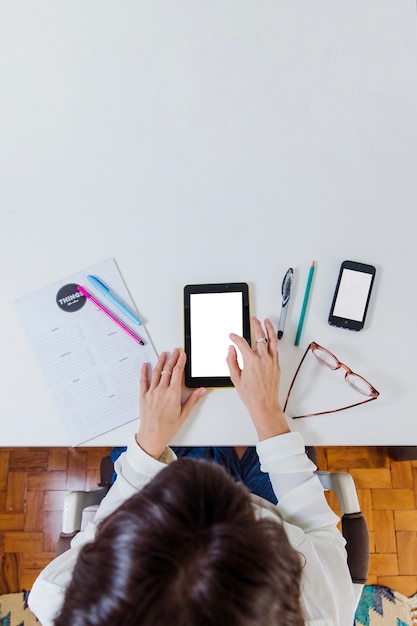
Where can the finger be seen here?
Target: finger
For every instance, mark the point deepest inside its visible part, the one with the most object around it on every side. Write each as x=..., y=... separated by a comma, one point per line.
x=271, y=334
x=241, y=343
x=144, y=385
x=156, y=374
x=234, y=368
x=169, y=366
x=177, y=367
x=191, y=401
x=259, y=334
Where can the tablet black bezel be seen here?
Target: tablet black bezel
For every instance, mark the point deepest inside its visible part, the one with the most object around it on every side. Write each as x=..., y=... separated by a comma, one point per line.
x=243, y=288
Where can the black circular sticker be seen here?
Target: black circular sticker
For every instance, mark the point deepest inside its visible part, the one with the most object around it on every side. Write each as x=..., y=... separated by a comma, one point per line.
x=70, y=299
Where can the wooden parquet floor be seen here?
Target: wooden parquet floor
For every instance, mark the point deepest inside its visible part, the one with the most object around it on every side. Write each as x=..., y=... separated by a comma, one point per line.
x=33, y=483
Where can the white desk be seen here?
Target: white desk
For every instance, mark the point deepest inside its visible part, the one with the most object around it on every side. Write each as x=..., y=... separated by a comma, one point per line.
x=212, y=142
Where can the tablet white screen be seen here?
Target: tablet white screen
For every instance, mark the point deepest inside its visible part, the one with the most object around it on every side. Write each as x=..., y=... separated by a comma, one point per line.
x=213, y=316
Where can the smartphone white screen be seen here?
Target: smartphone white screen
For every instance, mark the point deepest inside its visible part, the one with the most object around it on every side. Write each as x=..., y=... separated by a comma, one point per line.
x=352, y=295
x=213, y=316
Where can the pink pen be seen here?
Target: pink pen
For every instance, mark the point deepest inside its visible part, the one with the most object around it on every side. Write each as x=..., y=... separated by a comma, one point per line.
x=109, y=314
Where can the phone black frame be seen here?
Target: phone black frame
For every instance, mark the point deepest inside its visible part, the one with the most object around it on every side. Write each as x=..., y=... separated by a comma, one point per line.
x=342, y=322
x=243, y=288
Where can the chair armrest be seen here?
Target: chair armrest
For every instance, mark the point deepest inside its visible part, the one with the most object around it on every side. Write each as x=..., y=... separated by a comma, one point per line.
x=355, y=531
x=74, y=504
x=64, y=542
x=354, y=526
x=343, y=485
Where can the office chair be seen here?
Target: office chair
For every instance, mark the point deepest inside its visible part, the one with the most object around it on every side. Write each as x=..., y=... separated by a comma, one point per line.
x=354, y=526
x=76, y=503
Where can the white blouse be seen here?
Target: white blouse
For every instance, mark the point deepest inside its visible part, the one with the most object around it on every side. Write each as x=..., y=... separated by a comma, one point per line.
x=326, y=588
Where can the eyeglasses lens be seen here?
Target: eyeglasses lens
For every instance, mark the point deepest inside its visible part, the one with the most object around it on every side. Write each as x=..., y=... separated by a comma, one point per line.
x=360, y=384
x=326, y=358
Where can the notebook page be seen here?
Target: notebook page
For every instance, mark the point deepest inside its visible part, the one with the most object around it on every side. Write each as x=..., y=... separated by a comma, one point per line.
x=91, y=365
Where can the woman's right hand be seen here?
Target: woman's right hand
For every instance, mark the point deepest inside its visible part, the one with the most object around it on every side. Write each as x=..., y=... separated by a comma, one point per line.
x=162, y=412
x=258, y=382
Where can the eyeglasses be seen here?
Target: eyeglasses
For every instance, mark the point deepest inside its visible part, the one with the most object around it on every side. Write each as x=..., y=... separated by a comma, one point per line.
x=327, y=358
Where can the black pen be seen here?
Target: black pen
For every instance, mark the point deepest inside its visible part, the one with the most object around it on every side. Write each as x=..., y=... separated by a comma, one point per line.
x=286, y=291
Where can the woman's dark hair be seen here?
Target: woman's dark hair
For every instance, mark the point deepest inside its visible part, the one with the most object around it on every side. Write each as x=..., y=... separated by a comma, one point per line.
x=188, y=549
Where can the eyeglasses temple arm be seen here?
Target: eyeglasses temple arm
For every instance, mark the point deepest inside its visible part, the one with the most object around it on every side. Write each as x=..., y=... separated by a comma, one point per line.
x=335, y=410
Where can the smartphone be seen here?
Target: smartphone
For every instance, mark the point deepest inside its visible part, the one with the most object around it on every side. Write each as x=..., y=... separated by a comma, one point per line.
x=211, y=313
x=352, y=295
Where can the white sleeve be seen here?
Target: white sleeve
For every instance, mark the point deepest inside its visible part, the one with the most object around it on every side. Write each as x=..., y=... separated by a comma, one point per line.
x=134, y=470
x=299, y=492
x=327, y=590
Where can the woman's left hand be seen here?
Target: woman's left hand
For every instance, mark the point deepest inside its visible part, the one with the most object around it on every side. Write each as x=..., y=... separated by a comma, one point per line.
x=161, y=411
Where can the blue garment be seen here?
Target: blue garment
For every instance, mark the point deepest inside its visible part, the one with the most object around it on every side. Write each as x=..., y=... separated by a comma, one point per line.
x=114, y=455
x=246, y=470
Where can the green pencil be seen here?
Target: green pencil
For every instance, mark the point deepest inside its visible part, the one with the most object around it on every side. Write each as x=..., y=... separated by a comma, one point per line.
x=305, y=302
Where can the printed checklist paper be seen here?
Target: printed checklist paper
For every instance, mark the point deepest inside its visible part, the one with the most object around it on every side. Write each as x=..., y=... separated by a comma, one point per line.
x=91, y=365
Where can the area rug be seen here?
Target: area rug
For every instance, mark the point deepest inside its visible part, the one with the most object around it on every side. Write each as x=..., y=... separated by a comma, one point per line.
x=378, y=606
x=381, y=606
x=14, y=610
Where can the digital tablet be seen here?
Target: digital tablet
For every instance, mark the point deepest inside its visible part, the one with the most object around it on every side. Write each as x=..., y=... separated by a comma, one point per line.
x=211, y=313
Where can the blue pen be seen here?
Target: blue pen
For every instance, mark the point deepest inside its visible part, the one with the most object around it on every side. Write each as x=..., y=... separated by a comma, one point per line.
x=102, y=288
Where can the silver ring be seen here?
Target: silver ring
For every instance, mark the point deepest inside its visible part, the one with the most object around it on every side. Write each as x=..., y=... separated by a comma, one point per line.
x=262, y=340
x=166, y=372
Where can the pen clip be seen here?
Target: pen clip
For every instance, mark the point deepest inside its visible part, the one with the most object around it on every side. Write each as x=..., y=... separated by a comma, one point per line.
x=286, y=283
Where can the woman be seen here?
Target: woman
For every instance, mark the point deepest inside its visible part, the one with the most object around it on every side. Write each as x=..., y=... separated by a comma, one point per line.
x=184, y=543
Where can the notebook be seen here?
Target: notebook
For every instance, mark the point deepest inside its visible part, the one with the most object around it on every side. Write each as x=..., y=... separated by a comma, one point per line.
x=91, y=365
